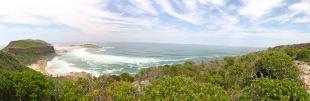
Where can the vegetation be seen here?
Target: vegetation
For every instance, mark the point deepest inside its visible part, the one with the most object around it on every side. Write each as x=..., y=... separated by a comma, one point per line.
x=180, y=88
x=17, y=82
x=121, y=91
x=265, y=75
x=303, y=55
x=276, y=65
x=27, y=57
x=9, y=63
x=28, y=51
x=26, y=44
x=273, y=89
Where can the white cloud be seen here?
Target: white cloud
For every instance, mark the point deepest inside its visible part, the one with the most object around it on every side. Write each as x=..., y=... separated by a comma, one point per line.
x=145, y=5
x=256, y=9
x=197, y=12
x=86, y=15
x=302, y=7
x=305, y=19
x=298, y=13
x=190, y=17
x=141, y=20
x=216, y=2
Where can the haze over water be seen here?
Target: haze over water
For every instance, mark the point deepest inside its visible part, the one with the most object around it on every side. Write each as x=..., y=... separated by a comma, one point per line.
x=117, y=58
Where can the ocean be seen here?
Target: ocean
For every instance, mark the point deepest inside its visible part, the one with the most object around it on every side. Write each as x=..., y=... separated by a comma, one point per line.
x=117, y=58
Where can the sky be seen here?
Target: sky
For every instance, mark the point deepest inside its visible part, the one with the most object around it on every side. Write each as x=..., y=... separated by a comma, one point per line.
x=257, y=23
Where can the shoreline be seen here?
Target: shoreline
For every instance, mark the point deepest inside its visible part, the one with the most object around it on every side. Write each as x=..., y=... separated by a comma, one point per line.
x=41, y=65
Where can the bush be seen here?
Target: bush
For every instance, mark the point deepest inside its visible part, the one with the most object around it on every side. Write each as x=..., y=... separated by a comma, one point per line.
x=121, y=91
x=25, y=85
x=304, y=55
x=266, y=89
x=229, y=60
x=10, y=63
x=276, y=65
x=180, y=88
x=291, y=52
x=237, y=75
x=127, y=77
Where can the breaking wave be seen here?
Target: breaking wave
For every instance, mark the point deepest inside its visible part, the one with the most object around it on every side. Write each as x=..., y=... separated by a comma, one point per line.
x=58, y=67
x=110, y=59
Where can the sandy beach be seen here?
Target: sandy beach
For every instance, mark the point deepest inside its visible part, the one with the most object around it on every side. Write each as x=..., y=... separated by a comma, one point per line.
x=39, y=66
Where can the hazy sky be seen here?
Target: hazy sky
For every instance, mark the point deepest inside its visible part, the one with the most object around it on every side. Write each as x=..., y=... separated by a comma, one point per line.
x=219, y=22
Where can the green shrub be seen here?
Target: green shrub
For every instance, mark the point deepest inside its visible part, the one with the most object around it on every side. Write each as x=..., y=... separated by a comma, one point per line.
x=121, y=91
x=127, y=77
x=25, y=85
x=276, y=65
x=237, y=74
x=10, y=63
x=182, y=89
x=291, y=52
x=266, y=89
x=229, y=60
x=303, y=55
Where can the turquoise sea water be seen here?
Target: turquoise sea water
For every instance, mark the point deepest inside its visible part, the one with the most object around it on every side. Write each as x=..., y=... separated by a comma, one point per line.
x=116, y=58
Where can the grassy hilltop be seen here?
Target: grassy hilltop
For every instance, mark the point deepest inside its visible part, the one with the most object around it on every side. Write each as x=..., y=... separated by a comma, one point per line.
x=265, y=75
x=26, y=44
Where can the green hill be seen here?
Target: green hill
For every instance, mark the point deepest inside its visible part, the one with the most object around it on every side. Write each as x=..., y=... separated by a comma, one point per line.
x=29, y=51
x=9, y=63
x=26, y=44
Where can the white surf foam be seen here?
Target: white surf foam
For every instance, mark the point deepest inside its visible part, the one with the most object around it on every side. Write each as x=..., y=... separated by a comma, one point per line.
x=58, y=67
x=104, y=48
x=110, y=59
